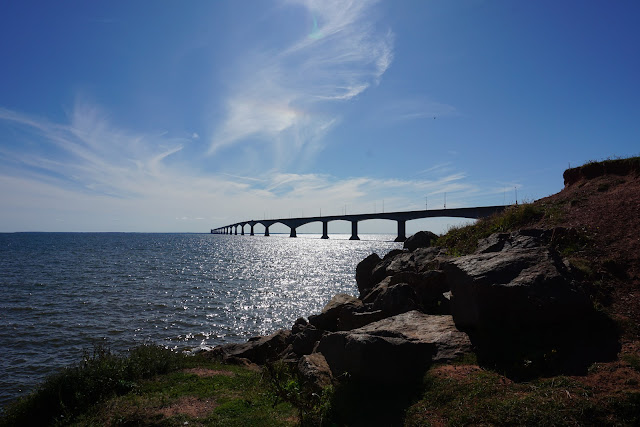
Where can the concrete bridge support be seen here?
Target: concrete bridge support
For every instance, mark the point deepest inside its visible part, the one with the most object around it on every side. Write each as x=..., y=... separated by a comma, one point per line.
x=293, y=232
x=402, y=231
x=325, y=230
x=266, y=231
x=354, y=231
x=242, y=230
x=236, y=230
x=251, y=225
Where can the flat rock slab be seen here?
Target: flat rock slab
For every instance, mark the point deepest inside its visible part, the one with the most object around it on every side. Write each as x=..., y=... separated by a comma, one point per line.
x=395, y=349
x=259, y=350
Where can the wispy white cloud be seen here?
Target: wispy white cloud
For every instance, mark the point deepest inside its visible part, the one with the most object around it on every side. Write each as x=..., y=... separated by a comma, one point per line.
x=402, y=110
x=282, y=101
x=97, y=176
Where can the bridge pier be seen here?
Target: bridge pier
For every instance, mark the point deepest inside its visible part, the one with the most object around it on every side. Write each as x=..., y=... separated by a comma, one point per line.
x=242, y=230
x=236, y=230
x=354, y=231
x=251, y=225
x=402, y=231
x=293, y=232
x=325, y=230
x=266, y=231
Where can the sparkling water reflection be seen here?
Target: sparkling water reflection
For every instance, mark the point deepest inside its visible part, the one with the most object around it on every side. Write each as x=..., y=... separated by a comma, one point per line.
x=64, y=292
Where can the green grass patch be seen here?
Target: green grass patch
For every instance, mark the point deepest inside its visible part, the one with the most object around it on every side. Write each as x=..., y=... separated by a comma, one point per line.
x=464, y=240
x=99, y=375
x=486, y=398
x=208, y=393
x=633, y=360
x=150, y=385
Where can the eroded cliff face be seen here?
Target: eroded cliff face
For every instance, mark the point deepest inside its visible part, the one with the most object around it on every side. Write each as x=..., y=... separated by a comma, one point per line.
x=621, y=167
x=602, y=201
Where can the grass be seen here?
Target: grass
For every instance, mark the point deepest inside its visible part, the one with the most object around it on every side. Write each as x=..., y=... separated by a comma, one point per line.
x=311, y=402
x=633, y=360
x=217, y=395
x=464, y=240
x=149, y=385
x=486, y=398
x=100, y=374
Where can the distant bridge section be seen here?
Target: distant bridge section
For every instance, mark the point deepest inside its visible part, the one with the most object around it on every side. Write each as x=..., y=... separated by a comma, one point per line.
x=400, y=217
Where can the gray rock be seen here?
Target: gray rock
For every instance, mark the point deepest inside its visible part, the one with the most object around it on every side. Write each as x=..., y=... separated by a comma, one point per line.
x=396, y=299
x=341, y=305
x=258, y=350
x=364, y=272
x=304, y=339
x=400, y=262
x=422, y=239
x=511, y=289
x=396, y=349
x=354, y=320
x=315, y=371
x=299, y=325
x=407, y=291
x=426, y=259
x=521, y=239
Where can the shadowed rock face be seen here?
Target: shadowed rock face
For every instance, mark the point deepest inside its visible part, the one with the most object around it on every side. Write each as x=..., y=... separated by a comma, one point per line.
x=408, y=291
x=258, y=350
x=422, y=239
x=395, y=349
x=341, y=306
x=512, y=289
x=314, y=370
x=364, y=271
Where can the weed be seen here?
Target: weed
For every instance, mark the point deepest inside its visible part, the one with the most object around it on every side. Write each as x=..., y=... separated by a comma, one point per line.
x=484, y=398
x=633, y=360
x=99, y=375
x=287, y=385
x=580, y=265
x=464, y=240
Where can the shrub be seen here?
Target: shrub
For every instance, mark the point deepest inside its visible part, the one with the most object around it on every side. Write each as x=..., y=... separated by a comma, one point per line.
x=99, y=375
x=464, y=240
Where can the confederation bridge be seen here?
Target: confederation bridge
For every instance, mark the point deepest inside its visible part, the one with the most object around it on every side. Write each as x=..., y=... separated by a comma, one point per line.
x=400, y=217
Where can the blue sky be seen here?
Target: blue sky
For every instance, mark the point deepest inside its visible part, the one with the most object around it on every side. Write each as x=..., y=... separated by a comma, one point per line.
x=184, y=116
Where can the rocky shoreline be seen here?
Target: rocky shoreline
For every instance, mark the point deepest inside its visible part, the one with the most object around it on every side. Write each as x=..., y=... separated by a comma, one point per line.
x=515, y=303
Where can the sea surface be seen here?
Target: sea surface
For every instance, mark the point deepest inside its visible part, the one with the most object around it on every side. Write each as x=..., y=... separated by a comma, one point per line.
x=62, y=293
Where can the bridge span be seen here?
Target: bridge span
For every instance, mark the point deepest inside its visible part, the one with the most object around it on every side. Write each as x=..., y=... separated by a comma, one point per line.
x=400, y=217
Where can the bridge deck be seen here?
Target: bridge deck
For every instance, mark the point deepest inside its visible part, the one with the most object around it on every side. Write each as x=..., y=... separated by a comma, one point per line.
x=401, y=217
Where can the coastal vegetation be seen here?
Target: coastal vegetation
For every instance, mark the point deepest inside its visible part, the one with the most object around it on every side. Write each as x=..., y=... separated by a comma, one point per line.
x=588, y=375
x=150, y=385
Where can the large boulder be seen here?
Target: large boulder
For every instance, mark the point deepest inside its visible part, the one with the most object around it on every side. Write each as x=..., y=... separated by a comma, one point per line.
x=355, y=319
x=395, y=263
x=513, y=289
x=304, y=338
x=521, y=239
x=259, y=350
x=426, y=259
x=341, y=305
x=408, y=291
x=364, y=272
x=395, y=349
x=422, y=239
x=314, y=371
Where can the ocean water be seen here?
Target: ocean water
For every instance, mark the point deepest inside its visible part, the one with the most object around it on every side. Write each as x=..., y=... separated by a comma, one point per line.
x=62, y=293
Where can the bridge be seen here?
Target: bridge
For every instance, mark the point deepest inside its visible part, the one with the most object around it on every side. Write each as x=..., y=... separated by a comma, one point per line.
x=400, y=217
